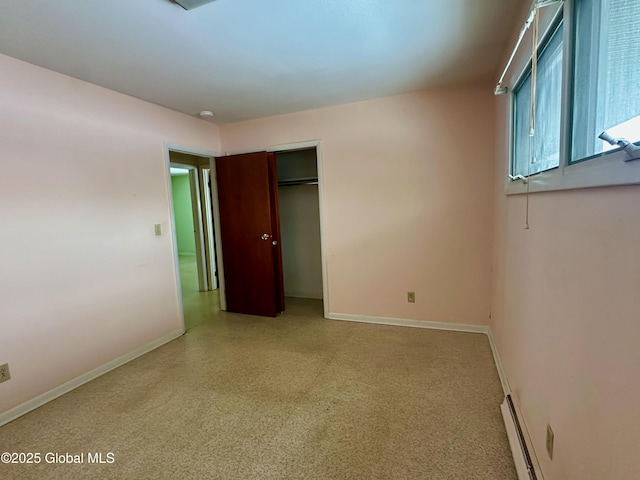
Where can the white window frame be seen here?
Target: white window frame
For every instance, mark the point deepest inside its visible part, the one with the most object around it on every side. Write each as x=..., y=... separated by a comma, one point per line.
x=606, y=169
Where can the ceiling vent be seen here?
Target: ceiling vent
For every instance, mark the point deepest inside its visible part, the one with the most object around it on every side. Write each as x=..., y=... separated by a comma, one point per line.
x=191, y=4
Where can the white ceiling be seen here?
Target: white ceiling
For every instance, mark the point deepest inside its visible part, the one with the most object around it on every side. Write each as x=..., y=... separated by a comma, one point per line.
x=245, y=59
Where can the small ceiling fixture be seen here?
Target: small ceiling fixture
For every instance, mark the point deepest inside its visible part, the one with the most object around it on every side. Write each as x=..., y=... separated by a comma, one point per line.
x=191, y=4
x=206, y=114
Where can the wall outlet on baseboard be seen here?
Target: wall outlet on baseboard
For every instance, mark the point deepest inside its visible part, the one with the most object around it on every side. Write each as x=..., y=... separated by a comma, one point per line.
x=550, y=441
x=4, y=373
x=411, y=297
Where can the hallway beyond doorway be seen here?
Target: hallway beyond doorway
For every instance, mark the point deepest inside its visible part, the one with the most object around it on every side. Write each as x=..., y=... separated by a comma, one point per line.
x=198, y=306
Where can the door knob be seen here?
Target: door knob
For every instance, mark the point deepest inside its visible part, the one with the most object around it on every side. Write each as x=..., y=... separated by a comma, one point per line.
x=275, y=242
x=265, y=236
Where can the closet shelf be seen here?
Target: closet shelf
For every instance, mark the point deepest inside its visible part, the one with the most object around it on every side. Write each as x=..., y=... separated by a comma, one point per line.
x=298, y=181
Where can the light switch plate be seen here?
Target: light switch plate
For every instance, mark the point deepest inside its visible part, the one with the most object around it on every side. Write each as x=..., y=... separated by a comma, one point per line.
x=158, y=229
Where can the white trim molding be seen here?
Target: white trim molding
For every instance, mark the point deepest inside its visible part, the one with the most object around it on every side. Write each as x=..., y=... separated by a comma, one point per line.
x=66, y=387
x=405, y=322
x=496, y=358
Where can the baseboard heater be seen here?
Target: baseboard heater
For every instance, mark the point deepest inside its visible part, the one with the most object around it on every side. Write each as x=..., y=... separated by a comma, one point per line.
x=521, y=457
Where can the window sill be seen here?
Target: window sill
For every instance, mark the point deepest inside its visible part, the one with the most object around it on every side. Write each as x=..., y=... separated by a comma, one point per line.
x=609, y=170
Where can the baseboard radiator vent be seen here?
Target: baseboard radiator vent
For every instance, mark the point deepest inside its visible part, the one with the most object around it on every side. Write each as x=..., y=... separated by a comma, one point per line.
x=521, y=457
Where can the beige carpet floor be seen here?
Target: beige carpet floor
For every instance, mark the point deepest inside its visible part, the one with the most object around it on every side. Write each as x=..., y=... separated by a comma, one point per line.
x=295, y=397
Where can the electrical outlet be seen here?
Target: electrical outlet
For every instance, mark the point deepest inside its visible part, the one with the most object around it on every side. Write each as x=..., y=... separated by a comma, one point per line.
x=158, y=229
x=4, y=373
x=411, y=297
x=550, y=441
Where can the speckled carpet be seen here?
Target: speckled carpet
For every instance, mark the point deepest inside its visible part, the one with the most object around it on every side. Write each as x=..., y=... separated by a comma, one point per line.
x=296, y=397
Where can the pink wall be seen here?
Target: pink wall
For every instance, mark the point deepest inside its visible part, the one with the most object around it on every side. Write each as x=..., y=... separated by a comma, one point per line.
x=407, y=199
x=83, y=279
x=566, y=318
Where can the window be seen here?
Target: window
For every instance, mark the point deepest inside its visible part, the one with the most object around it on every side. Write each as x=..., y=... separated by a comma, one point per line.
x=546, y=141
x=587, y=83
x=607, y=72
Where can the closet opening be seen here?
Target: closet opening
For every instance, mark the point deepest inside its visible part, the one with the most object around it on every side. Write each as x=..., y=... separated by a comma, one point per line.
x=300, y=233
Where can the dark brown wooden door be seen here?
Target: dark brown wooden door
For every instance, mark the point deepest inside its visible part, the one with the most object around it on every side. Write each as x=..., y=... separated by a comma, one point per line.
x=249, y=226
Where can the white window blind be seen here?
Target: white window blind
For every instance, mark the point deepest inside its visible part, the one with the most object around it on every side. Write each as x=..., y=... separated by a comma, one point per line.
x=606, y=74
x=546, y=141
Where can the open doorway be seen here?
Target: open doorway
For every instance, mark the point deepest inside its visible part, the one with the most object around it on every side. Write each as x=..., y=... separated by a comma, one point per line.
x=182, y=190
x=299, y=208
x=194, y=236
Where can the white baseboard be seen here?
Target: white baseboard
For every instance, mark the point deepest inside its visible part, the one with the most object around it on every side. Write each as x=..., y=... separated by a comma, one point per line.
x=498, y=362
x=56, y=392
x=405, y=322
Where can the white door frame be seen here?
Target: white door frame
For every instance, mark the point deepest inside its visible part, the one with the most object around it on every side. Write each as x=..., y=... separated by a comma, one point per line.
x=323, y=251
x=168, y=147
x=216, y=228
x=204, y=175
